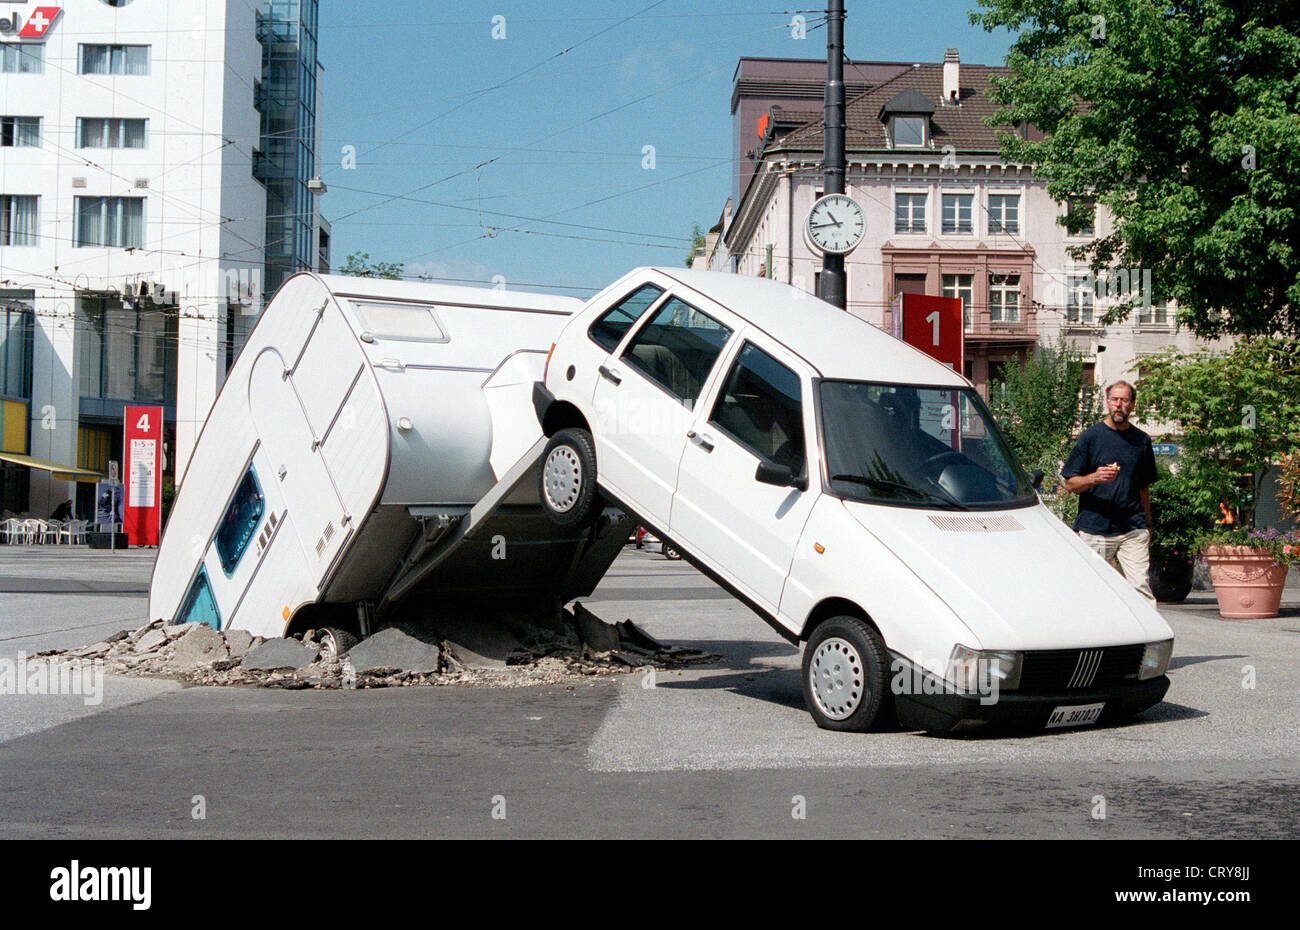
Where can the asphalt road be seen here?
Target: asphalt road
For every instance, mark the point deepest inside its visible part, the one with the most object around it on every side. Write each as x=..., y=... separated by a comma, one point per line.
x=722, y=751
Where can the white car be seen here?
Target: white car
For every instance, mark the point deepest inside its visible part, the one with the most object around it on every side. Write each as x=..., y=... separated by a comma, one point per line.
x=853, y=492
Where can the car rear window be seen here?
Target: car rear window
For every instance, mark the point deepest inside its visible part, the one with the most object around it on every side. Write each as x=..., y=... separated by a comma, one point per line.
x=608, y=331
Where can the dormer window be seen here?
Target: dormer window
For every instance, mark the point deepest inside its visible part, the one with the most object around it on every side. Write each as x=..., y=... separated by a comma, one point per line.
x=908, y=131
x=907, y=116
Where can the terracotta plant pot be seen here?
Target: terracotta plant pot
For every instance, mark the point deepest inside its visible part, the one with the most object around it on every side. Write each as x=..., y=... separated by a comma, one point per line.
x=1247, y=582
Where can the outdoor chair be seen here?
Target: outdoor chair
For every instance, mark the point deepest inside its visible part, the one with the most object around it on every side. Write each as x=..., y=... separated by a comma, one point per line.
x=74, y=531
x=12, y=530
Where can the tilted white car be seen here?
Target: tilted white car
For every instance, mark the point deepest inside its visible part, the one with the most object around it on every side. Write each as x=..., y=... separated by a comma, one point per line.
x=854, y=493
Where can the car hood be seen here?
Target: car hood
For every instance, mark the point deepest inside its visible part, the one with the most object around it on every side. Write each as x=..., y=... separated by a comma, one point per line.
x=1019, y=579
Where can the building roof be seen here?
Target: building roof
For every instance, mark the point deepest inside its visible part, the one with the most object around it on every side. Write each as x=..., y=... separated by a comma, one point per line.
x=834, y=341
x=960, y=126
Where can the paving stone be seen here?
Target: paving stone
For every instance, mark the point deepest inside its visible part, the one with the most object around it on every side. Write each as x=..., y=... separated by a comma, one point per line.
x=201, y=645
x=281, y=654
x=394, y=649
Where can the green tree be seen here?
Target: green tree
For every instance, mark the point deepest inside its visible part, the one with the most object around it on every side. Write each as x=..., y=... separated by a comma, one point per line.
x=1043, y=404
x=1237, y=413
x=359, y=265
x=698, y=239
x=1190, y=137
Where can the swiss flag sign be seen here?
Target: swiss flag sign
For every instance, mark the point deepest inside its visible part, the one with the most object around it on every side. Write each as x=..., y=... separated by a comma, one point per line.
x=41, y=19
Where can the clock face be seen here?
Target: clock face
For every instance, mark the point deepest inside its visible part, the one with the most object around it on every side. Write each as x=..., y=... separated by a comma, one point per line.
x=836, y=224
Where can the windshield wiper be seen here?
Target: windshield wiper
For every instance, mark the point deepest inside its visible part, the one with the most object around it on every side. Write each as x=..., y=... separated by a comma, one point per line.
x=883, y=483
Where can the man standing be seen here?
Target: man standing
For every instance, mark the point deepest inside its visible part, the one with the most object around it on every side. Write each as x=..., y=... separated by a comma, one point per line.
x=1111, y=468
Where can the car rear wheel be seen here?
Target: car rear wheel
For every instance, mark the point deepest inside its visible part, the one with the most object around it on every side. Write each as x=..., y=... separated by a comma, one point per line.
x=568, y=481
x=846, y=675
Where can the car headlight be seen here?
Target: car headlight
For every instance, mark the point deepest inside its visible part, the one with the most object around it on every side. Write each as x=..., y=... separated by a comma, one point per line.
x=1155, y=659
x=976, y=670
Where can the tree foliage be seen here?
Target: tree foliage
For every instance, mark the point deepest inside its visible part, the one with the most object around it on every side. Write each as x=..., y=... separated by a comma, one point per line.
x=1237, y=413
x=1189, y=136
x=698, y=239
x=359, y=265
x=1043, y=404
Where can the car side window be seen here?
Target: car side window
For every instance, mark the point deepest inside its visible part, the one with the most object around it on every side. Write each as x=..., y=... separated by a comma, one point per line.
x=760, y=407
x=612, y=325
x=677, y=349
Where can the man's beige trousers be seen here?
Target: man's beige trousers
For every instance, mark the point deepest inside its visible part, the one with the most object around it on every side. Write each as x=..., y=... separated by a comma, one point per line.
x=1128, y=554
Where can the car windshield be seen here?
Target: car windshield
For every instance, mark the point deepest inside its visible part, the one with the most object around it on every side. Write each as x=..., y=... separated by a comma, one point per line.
x=917, y=446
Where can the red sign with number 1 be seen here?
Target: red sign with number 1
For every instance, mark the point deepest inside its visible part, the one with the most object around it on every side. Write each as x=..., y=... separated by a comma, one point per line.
x=934, y=325
x=142, y=445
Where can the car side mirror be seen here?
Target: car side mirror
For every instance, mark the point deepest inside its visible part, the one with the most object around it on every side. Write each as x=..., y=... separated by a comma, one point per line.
x=782, y=476
x=1036, y=478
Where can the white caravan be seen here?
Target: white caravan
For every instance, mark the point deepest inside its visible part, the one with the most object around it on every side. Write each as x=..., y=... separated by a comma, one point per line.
x=374, y=440
x=853, y=492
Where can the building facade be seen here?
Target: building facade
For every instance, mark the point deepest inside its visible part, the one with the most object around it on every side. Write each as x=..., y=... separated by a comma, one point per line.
x=155, y=180
x=945, y=216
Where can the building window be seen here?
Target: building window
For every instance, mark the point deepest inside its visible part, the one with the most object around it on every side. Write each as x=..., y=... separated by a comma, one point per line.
x=22, y=58
x=1088, y=209
x=109, y=133
x=114, y=59
x=93, y=448
x=17, y=328
x=126, y=353
x=909, y=213
x=110, y=221
x=909, y=131
x=1004, y=298
x=958, y=214
x=963, y=287
x=1079, y=294
x=1004, y=214
x=1157, y=314
x=20, y=131
x=17, y=219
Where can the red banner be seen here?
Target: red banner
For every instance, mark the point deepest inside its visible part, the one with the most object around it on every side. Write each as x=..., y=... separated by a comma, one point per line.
x=142, y=474
x=934, y=325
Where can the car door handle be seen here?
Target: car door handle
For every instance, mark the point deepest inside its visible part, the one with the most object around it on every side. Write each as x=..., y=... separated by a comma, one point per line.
x=610, y=375
x=704, y=442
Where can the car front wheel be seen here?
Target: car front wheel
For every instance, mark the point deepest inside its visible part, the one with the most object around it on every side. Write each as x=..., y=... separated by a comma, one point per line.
x=846, y=675
x=568, y=481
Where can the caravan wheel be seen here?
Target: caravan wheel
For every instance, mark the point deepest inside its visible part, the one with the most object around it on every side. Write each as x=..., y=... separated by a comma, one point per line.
x=568, y=481
x=334, y=642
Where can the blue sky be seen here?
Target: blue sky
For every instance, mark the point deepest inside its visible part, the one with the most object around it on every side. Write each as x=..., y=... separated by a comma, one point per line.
x=464, y=143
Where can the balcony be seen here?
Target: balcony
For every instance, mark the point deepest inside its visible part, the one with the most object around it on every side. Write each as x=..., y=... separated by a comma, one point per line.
x=980, y=328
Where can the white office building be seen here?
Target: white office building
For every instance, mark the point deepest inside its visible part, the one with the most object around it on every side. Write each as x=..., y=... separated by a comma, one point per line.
x=154, y=190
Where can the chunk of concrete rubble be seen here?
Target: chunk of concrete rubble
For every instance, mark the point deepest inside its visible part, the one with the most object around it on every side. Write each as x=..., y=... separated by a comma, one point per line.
x=118, y=636
x=200, y=645
x=593, y=632
x=477, y=642
x=238, y=642
x=175, y=631
x=150, y=641
x=393, y=648
x=275, y=654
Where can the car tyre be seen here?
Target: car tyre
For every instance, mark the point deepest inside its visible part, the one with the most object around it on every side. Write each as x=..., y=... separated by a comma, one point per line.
x=567, y=486
x=846, y=675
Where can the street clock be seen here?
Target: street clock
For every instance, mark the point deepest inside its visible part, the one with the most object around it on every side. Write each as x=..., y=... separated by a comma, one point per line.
x=836, y=224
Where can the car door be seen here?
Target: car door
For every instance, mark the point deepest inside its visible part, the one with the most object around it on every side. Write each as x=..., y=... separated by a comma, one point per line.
x=645, y=400
x=745, y=529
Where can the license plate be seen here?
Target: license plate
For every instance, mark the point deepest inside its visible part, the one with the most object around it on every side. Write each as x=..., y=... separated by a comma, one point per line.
x=1075, y=716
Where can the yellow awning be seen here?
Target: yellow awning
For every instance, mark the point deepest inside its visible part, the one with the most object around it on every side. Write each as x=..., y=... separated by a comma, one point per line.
x=60, y=472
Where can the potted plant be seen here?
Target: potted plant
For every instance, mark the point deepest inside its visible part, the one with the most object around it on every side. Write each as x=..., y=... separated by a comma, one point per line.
x=1248, y=568
x=1178, y=521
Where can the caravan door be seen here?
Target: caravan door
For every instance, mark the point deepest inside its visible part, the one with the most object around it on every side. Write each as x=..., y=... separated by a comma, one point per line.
x=316, y=513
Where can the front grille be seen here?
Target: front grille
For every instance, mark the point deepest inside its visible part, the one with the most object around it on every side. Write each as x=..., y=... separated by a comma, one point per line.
x=1076, y=669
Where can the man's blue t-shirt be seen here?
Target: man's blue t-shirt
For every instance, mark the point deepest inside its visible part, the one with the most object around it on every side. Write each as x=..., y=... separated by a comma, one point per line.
x=1113, y=507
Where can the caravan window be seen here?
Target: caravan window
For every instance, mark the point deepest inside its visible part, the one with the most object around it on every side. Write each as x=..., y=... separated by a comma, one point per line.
x=199, y=605
x=240, y=522
x=389, y=320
